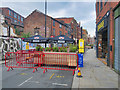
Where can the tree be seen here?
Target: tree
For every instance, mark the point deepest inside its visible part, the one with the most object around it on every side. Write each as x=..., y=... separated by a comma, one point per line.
x=25, y=35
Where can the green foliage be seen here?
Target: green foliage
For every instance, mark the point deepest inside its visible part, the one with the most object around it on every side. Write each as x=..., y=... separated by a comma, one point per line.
x=39, y=48
x=25, y=35
x=61, y=49
x=17, y=31
x=47, y=49
x=73, y=48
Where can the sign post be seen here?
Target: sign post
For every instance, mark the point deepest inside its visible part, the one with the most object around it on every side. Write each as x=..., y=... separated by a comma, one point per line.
x=80, y=56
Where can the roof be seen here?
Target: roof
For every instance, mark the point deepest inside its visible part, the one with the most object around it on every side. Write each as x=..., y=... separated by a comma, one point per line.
x=11, y=10
x=47, y=16
x=66, y=19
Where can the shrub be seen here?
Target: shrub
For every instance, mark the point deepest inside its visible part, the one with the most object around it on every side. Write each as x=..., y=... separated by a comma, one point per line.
x=37, y=48
x=54, y=49
x=65, y=50
x=41, y=49
x=47, y=49
x=61, y=49
x=57, y=49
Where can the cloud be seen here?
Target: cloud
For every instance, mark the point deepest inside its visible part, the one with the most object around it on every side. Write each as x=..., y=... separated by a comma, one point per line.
x=59, y=13
x=81, y=11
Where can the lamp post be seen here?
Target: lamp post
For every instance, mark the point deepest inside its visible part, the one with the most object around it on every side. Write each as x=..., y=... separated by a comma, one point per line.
x=45, y=18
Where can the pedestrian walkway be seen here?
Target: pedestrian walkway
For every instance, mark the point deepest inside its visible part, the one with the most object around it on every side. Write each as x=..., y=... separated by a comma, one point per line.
x=95, y=74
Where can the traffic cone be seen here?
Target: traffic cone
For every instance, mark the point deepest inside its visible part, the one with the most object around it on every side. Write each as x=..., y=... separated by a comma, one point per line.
x=79, y=73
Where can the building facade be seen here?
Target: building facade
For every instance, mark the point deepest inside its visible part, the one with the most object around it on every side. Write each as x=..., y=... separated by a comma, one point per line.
x=117, y=38
x=13, y=20
x=85, y=36
x=35, y=24
x=105, y=30
x=72, y=23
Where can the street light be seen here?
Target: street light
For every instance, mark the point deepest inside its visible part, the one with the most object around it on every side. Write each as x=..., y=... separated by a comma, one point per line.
x=45, y=18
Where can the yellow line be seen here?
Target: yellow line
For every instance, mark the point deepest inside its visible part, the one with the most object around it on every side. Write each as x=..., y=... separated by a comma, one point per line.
x=52, y=76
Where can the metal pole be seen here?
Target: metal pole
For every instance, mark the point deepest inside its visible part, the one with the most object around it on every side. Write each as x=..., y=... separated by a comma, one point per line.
x=81, y=33
x=45, y=18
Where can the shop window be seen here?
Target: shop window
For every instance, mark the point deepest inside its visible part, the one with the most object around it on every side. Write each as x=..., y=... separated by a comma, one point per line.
x=53, y=23
x=53, y=32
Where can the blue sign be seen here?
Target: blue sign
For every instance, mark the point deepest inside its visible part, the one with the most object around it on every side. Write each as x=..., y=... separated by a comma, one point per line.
x=80, y=60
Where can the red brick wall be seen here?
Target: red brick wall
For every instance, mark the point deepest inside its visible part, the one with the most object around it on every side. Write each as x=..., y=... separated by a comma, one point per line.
x=72, y=23
x=36, y=19
x=58, y=29
x=108, y=6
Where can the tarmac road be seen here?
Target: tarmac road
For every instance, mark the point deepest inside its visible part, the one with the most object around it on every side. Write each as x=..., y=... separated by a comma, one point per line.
x=25, y=78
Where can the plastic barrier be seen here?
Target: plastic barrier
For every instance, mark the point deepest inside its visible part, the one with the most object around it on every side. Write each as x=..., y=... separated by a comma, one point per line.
x=44, y=60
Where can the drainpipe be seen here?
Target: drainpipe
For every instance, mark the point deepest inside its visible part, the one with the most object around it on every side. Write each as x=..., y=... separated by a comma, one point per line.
x=108, y=44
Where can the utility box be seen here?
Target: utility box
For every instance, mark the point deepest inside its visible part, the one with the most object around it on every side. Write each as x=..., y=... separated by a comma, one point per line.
x=80, y=60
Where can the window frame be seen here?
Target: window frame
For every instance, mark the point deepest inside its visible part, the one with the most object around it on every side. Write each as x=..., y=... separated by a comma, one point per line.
x=53, y=23
x=53, y=31
x=60, y=26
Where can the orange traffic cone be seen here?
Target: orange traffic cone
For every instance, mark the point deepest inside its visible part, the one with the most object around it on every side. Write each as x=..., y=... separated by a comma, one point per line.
x=79, y=73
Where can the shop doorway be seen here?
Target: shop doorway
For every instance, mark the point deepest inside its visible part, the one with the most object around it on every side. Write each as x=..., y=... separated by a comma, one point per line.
x=103, y=45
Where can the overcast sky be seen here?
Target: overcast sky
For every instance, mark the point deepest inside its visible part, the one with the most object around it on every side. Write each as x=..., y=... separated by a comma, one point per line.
x=83, y=12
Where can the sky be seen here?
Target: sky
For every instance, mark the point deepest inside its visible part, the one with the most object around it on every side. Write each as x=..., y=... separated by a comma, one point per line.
x=83, y=12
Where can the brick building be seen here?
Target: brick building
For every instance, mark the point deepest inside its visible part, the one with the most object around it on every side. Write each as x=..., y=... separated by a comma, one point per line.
x=78, y=32
x=35, y=24
x=72, y=23
x=85, y=35
x=105, y=30
x=13, y=19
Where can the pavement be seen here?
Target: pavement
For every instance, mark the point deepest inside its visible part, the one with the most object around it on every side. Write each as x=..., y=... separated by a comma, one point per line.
x=95, y=74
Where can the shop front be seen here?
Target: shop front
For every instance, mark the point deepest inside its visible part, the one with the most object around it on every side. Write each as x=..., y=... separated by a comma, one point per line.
x=103, y=38
x=117, y=38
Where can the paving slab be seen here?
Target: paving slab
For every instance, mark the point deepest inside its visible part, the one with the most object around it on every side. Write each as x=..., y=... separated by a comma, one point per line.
x=95, y=74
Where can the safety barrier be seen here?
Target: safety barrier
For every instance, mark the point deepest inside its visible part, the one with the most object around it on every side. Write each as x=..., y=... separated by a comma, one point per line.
x=44, y=60
x=60, y=61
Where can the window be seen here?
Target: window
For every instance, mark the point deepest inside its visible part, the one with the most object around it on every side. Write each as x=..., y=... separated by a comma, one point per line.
x=65, y=34
x=53, y=23
x=60, y=32
x=53, y=32
x=60, y=26
x=105, y=2
x=65, y=28
x=22, y=19
x=15, y=15
x=15, y=21
x=97, y=8
x=10, y=12
x=101, y=5
x=19, y=22
x=18, y=17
